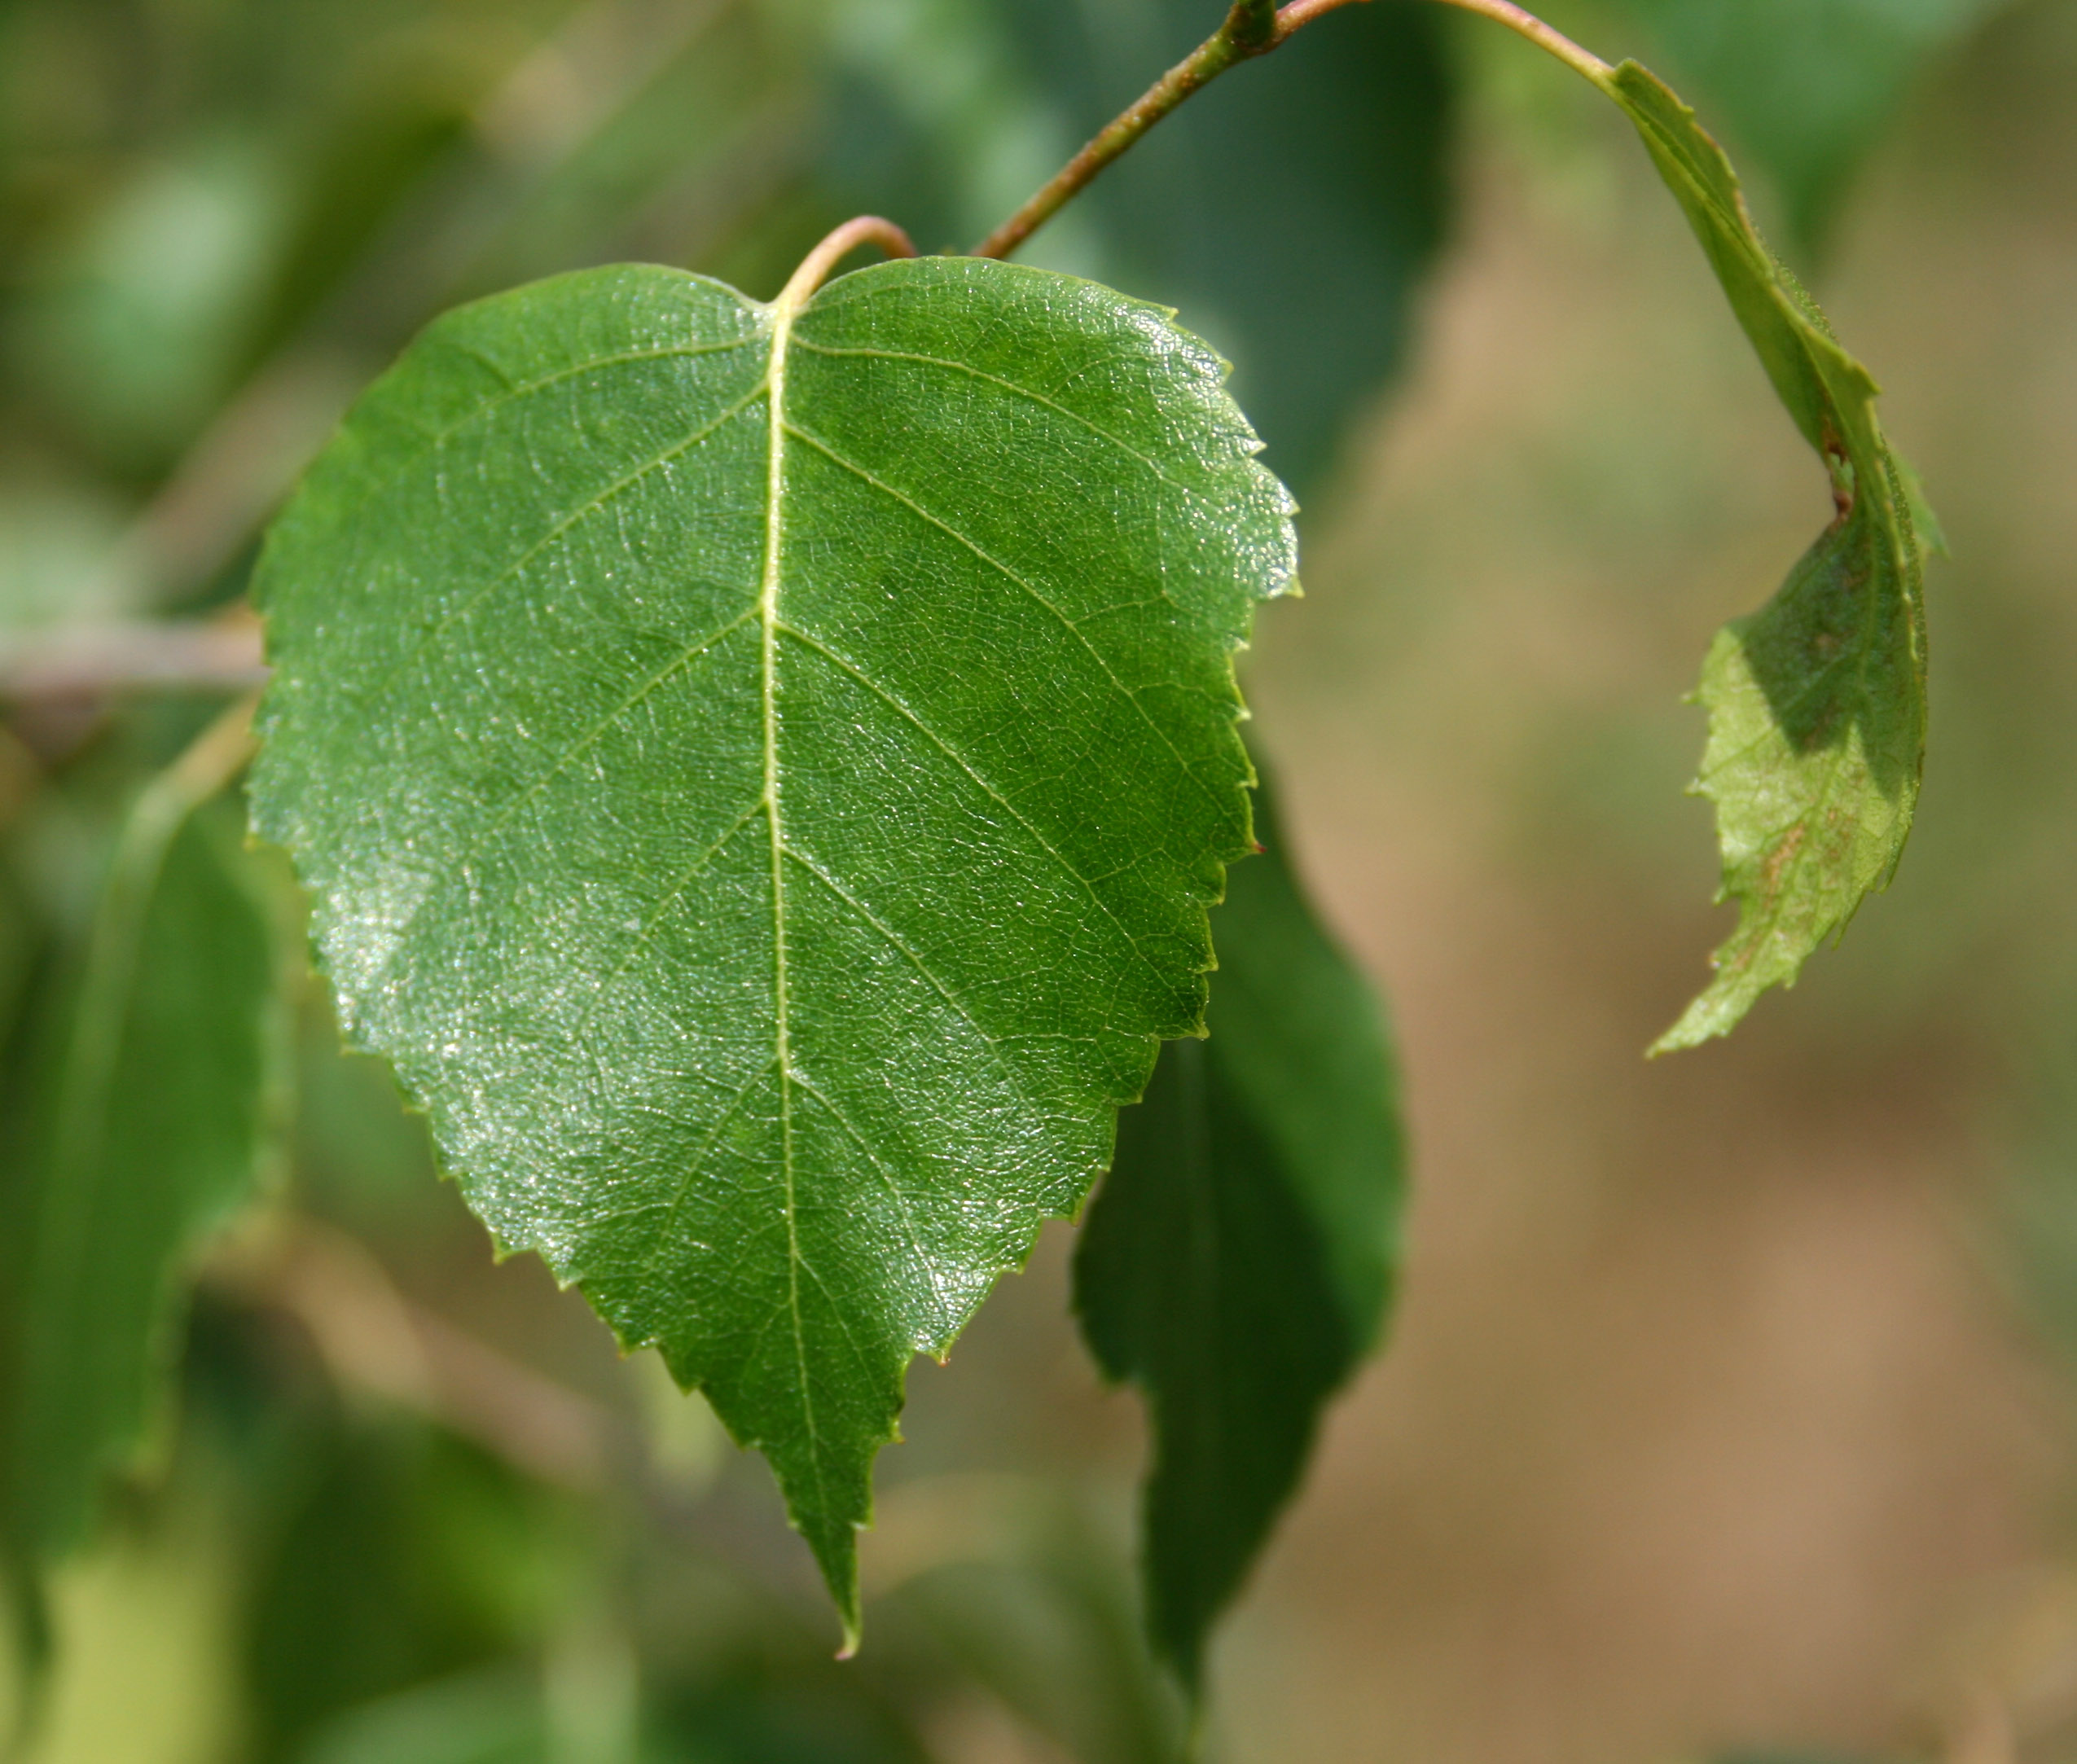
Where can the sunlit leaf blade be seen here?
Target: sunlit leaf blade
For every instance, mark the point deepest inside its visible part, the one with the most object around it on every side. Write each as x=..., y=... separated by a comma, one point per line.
x=158, y=1109
x=763, y=774
x=1817, y=703
x=1239, y=1258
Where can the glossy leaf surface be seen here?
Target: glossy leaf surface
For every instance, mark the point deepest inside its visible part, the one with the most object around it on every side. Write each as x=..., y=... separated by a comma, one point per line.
x=1238, y=1259
x=1817, y=703
x=762, y=772
x=158, y=1107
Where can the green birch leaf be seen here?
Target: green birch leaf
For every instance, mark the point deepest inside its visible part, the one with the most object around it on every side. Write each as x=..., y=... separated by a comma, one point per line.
x=762, y=771
x=157, y=1103
x=1238, y=1259
x=1817, y=703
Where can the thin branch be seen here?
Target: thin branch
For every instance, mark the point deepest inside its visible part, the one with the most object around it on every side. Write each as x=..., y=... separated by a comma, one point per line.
x=1251, y=29
x=1302, y=12
x=1581, y=61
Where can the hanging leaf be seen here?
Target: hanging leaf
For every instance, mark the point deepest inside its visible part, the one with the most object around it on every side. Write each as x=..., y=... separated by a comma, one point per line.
x=1238, y=1259
x=1817, y=703
x=157, y=1108
x=762, y=771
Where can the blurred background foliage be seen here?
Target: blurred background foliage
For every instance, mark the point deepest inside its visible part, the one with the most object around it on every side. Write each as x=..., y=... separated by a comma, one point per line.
x=1724, y=1412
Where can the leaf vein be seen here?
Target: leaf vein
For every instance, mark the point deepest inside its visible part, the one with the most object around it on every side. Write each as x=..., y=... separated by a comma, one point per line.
x=995, y=563
x=947, y=1316
x=591, y=506
x=1036, y=396
x=665, y=901
x=674, y=1209
x=549, y=774
x=959, y=760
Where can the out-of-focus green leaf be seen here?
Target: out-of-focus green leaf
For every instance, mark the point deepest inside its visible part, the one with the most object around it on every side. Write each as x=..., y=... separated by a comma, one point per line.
x=138, y=327
x=1310, y=182
x=1238, y=1261
x=154, y=1110
x=778, y=1709
x=1804, y=86
x=403, y=1558
x=1024, y=1589
x=481, y=1717
x=1817, y=703
x=762, y=771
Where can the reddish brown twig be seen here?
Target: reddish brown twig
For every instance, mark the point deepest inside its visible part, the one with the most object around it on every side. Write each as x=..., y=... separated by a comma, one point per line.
x=867, y=229
x=1253, y=28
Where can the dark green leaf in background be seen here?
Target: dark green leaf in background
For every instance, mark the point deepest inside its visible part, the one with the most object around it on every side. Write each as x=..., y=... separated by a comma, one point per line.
x=1817, y=703
x=1309, y=186
x=157, y=1107
x=762, y=773
x=1238, y=1259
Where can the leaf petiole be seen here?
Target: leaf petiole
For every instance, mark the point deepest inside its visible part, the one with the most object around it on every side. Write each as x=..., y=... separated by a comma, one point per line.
x=866, y=229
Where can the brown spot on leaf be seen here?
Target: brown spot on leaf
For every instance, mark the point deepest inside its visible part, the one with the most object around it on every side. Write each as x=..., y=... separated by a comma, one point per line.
x=1780, y=858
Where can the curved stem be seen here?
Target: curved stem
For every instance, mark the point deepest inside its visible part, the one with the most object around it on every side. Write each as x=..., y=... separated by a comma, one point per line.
x=867, y=229
x=1302, y=12
x=1252, y=28
x=1582, y=62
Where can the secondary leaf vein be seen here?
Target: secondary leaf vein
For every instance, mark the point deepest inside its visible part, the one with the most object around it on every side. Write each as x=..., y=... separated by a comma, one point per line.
x=959, y=760
x=1023, y=390
x=996, y=563
x=591, y=506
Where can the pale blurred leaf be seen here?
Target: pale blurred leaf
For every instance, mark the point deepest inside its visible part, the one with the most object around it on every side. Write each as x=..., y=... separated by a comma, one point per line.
x=155, y=1108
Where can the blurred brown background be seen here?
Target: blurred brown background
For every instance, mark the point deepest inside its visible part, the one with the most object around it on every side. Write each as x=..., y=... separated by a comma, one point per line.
x=1726, y=1410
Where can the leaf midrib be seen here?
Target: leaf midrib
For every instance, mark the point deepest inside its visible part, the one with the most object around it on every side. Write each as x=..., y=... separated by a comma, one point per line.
x=783, y=313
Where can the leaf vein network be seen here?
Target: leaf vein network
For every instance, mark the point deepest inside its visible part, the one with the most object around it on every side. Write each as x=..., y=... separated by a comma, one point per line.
x=431, y=440
x=515, y=389
x=959, y=760
x=548, y=774
x=897, y=942
x=995, y=563
x=947, y=1316
x=591, y=506
x=675, y=1207
x=1024, y=391
x=665, y=902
